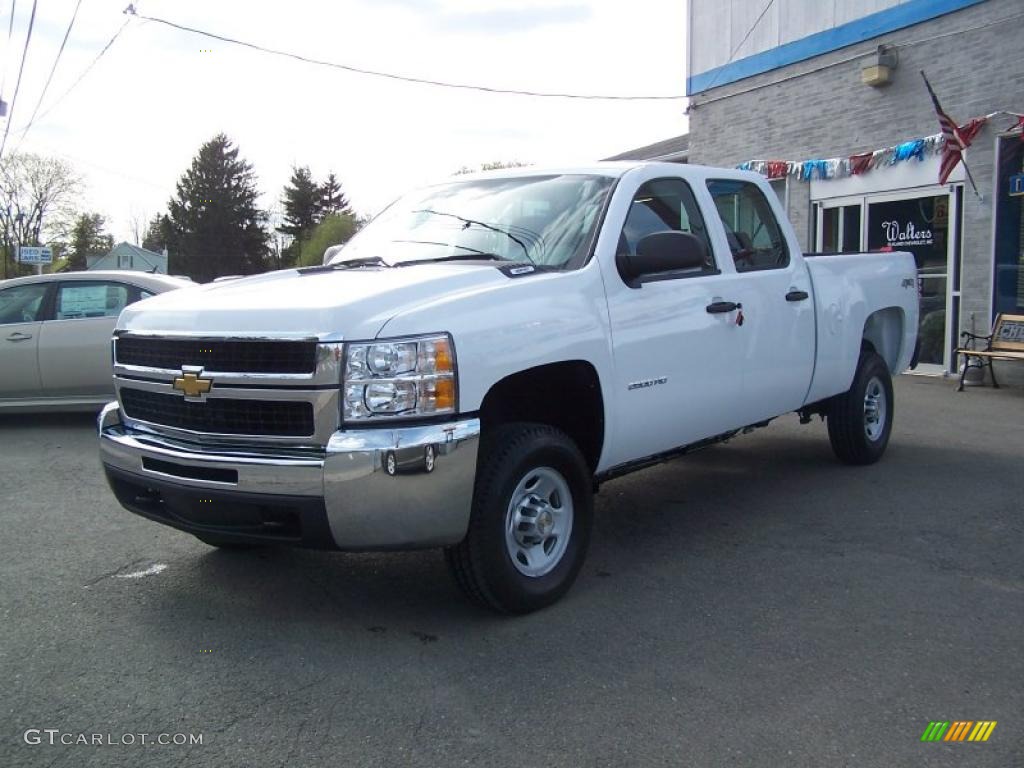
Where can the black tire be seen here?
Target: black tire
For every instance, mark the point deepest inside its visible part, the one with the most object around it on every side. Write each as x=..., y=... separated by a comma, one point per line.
x=855, y=437
x=482, y=564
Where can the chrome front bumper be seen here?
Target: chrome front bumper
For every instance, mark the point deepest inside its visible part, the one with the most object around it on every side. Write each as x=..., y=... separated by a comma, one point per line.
x=382, y=488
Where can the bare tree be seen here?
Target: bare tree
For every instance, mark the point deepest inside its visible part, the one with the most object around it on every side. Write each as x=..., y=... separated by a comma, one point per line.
x=138, y=223
x=37, y=197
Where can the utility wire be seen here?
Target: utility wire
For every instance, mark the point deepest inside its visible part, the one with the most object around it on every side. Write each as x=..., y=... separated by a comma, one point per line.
x=393, y=76
x=53, y=69
x=81, y=77
x=21, y=70
x=10, y=33
x=737, y=48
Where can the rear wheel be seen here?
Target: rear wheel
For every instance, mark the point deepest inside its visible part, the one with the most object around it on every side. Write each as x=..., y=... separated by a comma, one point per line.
x=530, y=525
x=860, y=420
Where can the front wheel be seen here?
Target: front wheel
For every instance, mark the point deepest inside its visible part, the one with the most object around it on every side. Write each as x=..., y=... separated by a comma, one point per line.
x=860, y=420
x=530, y=524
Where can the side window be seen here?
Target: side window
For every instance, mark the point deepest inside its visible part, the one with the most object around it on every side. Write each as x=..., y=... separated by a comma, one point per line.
x=665, y=205
x=754, y=236
x=22, y=303
x=81, y=300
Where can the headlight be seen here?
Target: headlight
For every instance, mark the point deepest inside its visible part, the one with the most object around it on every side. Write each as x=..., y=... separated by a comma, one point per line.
x=394, y=379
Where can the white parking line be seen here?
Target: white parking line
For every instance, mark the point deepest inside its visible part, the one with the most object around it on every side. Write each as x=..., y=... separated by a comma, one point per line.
x=151, y=571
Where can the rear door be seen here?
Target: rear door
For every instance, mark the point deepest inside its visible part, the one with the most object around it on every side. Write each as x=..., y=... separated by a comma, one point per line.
x=74, y=347
x=777, y=347
x=677, y=365
x=21, y=309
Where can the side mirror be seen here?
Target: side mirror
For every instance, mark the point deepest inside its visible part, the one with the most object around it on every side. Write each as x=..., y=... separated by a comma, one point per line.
x=660, y=253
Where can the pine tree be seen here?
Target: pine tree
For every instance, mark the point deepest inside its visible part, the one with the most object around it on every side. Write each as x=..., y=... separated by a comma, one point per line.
x=88, y=239
x=216, y=227
x=158, y=233
x=332, y=199
x=302, y=206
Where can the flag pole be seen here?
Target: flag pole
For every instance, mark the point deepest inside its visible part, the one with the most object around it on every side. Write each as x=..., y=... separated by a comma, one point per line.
x=954, y=128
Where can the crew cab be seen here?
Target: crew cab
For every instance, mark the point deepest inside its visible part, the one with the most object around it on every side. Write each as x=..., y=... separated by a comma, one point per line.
x=469, y=369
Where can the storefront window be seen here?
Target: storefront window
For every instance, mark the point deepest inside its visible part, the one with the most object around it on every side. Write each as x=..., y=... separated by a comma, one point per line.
x=840, y=229
x=1008, y=279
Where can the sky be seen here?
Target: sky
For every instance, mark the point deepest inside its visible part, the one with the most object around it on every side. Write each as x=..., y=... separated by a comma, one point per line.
x=132, y=126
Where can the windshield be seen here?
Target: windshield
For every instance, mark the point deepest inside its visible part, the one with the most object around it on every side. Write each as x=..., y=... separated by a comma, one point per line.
x=544, y=220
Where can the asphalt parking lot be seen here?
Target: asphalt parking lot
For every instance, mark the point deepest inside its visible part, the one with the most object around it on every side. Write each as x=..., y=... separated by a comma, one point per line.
x=754, y=604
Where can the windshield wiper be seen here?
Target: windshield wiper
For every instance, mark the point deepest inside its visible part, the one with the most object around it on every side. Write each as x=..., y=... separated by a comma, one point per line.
x=473, y=222
x=474, y=256
x=368, y=261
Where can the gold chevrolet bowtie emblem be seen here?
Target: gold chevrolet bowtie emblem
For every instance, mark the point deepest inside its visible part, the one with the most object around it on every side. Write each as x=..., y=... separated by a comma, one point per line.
x=191, y=385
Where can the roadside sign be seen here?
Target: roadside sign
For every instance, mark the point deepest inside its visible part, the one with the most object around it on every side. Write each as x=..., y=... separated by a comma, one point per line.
x=1017, y=185
x=33, y=254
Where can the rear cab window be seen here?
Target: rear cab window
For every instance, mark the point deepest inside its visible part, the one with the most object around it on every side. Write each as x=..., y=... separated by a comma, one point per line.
x=751, y=229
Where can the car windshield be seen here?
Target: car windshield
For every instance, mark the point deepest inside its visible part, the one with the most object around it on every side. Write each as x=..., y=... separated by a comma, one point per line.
x=544, y=220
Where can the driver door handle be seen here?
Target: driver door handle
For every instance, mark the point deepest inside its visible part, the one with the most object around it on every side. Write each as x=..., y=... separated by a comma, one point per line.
x=19, y=336
x=719, y=307
x=796, y=295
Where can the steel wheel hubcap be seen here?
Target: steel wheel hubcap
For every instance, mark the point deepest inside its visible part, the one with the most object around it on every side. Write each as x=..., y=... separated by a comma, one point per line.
x=538, y=522
x=874, y=409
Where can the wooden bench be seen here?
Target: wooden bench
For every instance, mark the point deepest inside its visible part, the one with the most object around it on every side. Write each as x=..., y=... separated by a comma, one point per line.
x=1006, y=342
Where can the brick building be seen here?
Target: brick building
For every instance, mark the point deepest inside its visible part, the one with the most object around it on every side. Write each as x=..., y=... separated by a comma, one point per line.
x=791, y=82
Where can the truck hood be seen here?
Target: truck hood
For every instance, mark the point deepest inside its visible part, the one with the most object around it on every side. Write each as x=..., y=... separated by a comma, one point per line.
x=348, y=303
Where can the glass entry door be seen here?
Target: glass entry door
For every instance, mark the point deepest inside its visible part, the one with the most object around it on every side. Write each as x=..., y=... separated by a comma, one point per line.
x=921, y=225
x=923, y=222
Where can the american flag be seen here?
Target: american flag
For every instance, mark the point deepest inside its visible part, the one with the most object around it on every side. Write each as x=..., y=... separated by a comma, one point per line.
x=957, y=139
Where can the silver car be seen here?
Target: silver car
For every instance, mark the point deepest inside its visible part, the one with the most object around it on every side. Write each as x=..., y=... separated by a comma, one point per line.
x=55, y=335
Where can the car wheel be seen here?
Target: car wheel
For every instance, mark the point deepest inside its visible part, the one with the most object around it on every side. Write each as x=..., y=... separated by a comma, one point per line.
x=530, y=524
x=860, y=420
x=391, y=463
x=428, y=458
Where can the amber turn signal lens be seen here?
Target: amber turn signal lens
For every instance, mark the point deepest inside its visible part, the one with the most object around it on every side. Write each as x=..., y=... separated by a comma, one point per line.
x=444, y=394
x=442, y=357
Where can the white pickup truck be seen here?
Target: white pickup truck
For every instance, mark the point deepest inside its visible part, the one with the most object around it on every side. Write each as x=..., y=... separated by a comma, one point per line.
x=469, y=369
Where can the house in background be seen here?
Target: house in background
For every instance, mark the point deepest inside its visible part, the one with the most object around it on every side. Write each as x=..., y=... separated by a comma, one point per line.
x=128, y=256
x=674, y=150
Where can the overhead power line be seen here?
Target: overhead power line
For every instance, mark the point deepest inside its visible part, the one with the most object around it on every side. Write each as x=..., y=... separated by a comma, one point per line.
x=53, y=69
x=741, y=44
x=81, y=77
x=392, y=75
x=10, y=33
x=21, y=71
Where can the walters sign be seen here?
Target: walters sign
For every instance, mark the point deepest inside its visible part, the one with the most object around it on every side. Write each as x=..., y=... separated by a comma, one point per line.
x=916, y=224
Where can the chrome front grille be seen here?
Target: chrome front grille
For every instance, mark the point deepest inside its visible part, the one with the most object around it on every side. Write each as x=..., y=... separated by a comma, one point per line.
x=280, y=391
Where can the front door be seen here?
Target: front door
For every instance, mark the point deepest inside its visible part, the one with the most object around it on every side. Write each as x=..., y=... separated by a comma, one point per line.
x=21, y=306
x=677, y=371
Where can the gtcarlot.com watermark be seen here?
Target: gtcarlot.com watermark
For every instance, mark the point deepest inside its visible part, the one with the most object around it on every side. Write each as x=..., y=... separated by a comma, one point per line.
x=54, y=736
